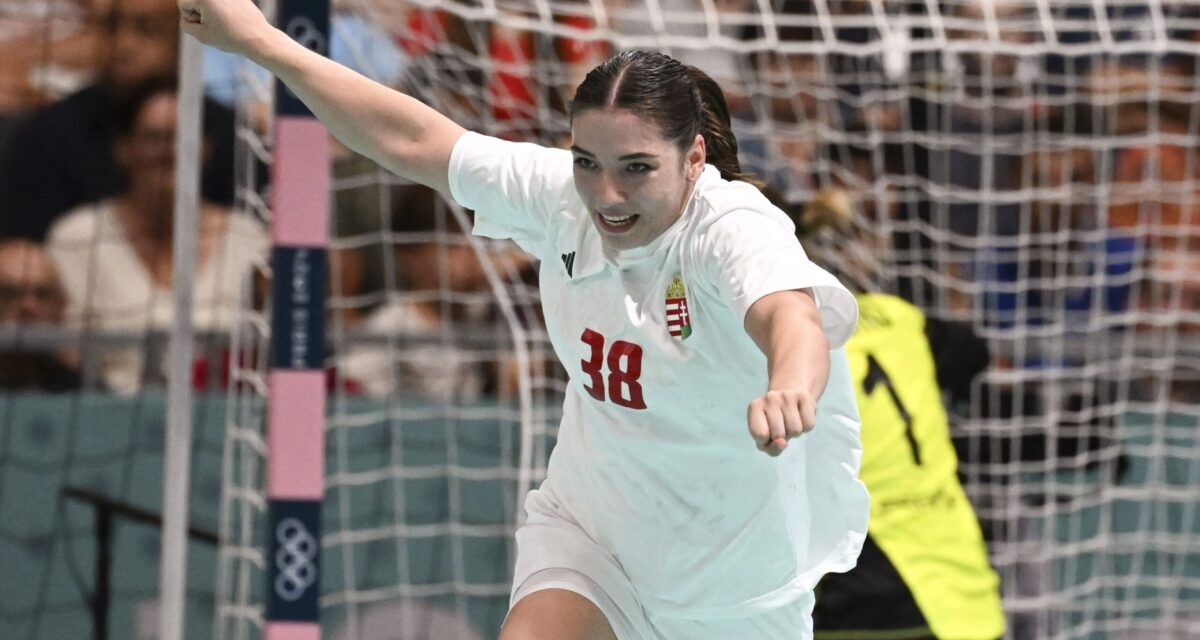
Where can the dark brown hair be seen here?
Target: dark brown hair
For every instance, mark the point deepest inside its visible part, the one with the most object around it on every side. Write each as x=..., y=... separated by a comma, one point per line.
x=125, y=108
x=680, y=100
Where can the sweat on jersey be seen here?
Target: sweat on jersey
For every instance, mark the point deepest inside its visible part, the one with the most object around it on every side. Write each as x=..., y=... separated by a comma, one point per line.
x=654, y=460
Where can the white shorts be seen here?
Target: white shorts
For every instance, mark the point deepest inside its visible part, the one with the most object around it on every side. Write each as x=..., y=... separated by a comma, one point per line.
x=553, y=552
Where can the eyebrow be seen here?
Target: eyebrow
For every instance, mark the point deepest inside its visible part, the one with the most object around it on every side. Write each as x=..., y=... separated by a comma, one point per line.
x=629, y=156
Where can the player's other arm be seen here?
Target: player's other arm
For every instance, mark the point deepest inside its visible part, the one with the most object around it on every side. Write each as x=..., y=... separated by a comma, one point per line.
x=399, y=132
x=787, y=327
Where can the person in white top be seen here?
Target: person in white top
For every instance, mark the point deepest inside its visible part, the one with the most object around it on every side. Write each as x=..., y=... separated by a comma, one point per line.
x=682, y=306
x=115, y=256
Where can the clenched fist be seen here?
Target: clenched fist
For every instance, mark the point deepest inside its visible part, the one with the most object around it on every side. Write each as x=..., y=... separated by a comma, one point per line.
x=778, y=416
x=236, y=26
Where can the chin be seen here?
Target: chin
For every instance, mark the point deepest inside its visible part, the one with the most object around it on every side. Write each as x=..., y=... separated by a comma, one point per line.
x=623, y=243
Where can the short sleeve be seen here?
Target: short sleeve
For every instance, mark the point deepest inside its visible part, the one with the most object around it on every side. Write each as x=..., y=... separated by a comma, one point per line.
x=748, y=255
x=516, y=189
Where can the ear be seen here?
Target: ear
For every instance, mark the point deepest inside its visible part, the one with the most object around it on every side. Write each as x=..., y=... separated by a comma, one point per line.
x=695, y=158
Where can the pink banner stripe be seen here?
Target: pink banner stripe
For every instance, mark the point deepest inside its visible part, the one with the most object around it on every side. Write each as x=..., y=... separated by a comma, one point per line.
x=300, y=211
x=293, y=631
x=296, y=435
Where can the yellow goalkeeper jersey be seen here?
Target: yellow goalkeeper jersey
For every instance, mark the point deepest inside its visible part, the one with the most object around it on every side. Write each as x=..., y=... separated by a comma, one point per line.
x=920, y=517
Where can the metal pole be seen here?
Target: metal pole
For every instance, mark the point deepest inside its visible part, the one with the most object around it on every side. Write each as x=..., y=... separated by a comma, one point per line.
x=102, y=595
x=296, y=381
x=177, y=455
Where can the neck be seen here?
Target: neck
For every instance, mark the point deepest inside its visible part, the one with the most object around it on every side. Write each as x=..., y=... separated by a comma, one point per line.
x=687, y=193
x=146, y=214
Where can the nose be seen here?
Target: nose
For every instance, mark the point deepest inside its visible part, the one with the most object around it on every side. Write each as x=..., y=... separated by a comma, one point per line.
x=608, y=193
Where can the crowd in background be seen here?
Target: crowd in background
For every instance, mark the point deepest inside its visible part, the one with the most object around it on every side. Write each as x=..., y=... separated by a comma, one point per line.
x=1024, y=191
x=1014, y=190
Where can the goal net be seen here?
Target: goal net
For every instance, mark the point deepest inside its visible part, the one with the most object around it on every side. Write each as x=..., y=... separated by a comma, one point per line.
x=1024, y=167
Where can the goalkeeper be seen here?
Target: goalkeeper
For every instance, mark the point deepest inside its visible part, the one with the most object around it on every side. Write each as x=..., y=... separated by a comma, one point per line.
x=923, y=573
x=689, y=494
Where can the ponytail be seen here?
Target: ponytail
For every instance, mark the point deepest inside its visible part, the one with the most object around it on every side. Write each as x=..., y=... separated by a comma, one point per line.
x=720, y=144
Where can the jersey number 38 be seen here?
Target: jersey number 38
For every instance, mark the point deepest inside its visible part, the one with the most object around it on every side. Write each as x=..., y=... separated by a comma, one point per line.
x=624, y=360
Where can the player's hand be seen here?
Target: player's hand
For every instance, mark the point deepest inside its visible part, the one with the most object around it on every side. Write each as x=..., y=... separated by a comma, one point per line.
x=235, y=26
x=778, y=416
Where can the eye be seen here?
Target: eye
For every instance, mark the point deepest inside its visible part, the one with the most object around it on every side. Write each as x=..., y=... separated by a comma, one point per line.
x=638, y=167
x=585, y=163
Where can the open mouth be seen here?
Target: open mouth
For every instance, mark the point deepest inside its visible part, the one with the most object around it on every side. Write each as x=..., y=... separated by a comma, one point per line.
x=615, y=223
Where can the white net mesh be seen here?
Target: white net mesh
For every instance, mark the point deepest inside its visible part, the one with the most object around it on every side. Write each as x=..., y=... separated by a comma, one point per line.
x=1027, y=167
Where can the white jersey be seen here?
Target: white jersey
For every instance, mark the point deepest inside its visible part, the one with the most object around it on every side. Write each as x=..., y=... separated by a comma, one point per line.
x=654, y=460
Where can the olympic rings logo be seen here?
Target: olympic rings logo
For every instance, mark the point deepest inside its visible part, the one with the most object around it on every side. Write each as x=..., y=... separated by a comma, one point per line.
x=305, y=31
x=294, y=559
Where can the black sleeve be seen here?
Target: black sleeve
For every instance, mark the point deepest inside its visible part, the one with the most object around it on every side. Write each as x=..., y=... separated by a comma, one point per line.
x=958, y=354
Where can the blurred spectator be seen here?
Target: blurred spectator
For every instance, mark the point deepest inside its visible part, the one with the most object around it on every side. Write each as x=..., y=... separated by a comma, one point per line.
x=48, y=49
x=786, y=159
x=991, y=63
x=437, y=42
x=1065, y=262
x=1173, y=285
x=31, y=294
x=1155, y=194
x=1155, y=198
x=513, y=93
x=531, y=77
x=786, y=97
x=849, y=181
x=437, y=271
x=115, y=255
x=975, y=98
x=999, y=98
x=63, y=155
x=1169, y=303
x=923, y=573
x=1067, y=425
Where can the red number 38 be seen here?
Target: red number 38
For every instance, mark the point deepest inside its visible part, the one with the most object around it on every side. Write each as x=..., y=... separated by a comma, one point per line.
x=624, y=368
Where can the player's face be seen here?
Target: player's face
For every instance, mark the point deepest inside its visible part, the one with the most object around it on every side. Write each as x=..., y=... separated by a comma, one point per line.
x=633, y=180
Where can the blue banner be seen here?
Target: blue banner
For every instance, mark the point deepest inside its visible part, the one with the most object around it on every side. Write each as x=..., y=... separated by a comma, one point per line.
x=307, y=22
x=298, y=319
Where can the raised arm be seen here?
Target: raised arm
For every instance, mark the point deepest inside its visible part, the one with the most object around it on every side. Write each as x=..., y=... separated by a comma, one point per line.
x=786, y=326
x=399, y=132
